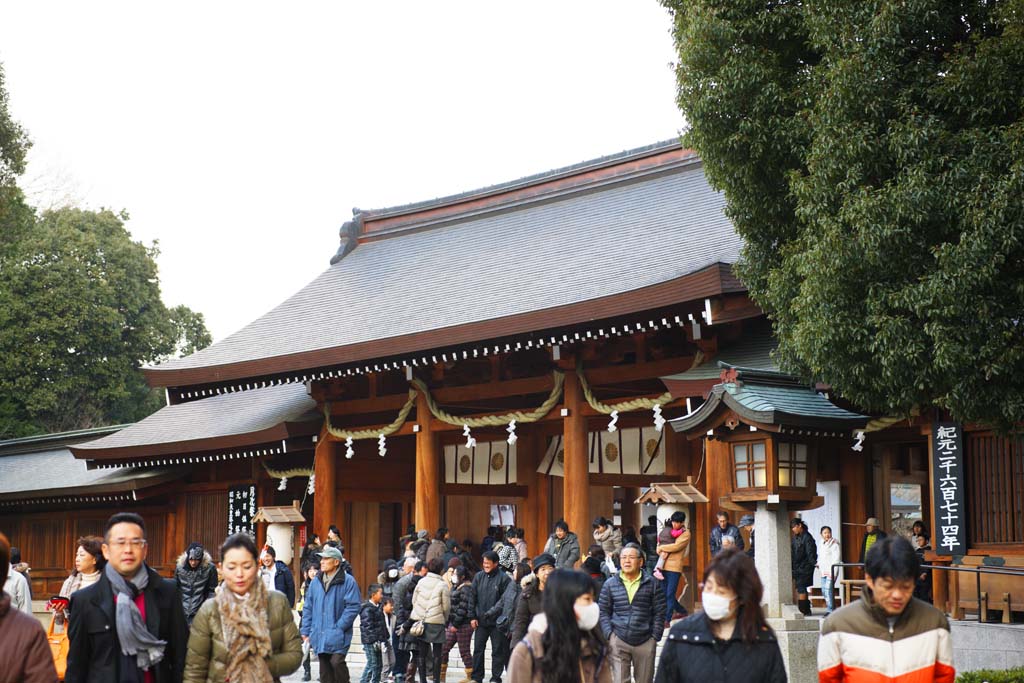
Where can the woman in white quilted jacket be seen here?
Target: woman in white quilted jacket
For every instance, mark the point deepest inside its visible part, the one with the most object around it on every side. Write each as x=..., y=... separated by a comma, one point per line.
x=431, y=604
x=828, y=555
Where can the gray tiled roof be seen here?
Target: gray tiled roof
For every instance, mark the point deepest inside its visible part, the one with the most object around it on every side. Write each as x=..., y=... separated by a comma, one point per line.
x=771, y=398
x=51, y=472
x=227, y=415
x=753, y=351
x=574, y=248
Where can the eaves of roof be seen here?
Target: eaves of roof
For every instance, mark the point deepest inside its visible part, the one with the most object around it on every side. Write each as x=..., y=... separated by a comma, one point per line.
x=710, y=281
x=784, y=406
x=45, y=442
x=220, y=423
x=55, y=473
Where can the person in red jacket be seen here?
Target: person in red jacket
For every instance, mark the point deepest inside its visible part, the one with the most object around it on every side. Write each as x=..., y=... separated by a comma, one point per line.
x=887, y=635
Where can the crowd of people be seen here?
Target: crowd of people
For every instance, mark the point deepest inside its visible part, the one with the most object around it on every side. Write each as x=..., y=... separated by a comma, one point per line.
x=544, y=618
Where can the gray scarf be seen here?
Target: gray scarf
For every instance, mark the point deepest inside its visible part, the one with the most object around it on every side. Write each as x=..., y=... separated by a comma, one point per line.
x=132, y=633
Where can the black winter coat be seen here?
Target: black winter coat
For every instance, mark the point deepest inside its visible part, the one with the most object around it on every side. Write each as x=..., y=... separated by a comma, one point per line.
x=692, y=655
x=649, y=543
x=488, y=590
x=371, y=623
x=633, y=622
x=197, y=585
x=531, y=603
x=463, y=600
x=94, y=653
x=508, y=608
x=805, y=557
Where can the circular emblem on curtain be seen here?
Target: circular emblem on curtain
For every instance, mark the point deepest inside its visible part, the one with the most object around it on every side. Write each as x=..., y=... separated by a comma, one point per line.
x=611, y=452
x=497, y=461
x=561, y=457
x=464, y=464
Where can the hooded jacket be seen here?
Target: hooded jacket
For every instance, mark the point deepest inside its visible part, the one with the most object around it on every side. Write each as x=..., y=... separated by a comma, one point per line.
x=566, y=550
x=329, y=612
x=195, y=585
x=524, y=664
x=859, y=646
x=531, y=603
x=692, y=655
x=610, y=540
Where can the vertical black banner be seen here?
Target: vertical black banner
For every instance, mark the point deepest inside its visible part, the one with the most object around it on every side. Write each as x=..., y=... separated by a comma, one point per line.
x=949, y=537
x=241, y=509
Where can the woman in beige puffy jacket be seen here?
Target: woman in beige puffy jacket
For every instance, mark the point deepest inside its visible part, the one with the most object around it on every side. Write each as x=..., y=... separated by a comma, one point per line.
x=431, y=604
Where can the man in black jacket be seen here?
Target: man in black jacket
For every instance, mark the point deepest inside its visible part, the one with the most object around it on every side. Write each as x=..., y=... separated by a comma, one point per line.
x=130, y=608
x=196, y=577
x=488, y=587
x=804, y=560
x=632, y=618
x=276, y=574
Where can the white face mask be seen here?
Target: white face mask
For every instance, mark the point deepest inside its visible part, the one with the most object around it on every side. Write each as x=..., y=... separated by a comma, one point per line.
x=587, y=617
x=392, y=573
x=455, y=580
x=716, y=606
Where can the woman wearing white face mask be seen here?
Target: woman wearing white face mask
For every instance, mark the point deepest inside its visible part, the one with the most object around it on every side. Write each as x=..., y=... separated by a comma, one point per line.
x=729, y=641
x=563, y=643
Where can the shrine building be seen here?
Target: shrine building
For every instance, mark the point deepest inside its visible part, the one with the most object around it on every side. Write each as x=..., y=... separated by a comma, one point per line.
x=542, y=349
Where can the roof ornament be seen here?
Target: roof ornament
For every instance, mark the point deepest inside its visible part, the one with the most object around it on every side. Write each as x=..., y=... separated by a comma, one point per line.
x=859, y=445
x=349, y=236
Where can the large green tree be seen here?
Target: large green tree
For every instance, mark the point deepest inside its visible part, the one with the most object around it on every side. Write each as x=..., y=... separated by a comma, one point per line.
x=80, y=311
x=872, y=156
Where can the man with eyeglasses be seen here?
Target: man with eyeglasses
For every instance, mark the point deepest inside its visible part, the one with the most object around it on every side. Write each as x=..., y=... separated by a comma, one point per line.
x=129, y=626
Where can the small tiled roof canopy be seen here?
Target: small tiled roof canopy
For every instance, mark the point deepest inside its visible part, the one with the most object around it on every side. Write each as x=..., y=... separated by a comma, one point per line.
x=280, y=514
x=675, y=492
x=631, y=232
x=753, y=350
x=768, y=398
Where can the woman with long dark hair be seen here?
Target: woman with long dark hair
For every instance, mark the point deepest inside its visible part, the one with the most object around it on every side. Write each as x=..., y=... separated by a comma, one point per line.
x=564, y=643
x=729, y=641
x=244, y=633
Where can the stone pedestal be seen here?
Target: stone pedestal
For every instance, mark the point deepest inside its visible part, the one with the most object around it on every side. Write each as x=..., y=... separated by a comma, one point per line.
x=772, y=558
x=798, y=636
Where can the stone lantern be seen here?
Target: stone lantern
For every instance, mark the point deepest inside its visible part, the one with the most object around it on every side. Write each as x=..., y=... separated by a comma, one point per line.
x=764, y=429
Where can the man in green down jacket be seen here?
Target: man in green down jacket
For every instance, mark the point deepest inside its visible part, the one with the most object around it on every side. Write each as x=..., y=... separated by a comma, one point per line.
x=328, y=613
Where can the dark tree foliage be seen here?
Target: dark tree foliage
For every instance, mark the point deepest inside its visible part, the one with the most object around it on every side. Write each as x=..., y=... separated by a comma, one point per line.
x=80, y=312
x=872, y=157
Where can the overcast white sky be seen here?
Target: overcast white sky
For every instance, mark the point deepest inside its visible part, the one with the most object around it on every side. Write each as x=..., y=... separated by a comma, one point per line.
x=241, y=134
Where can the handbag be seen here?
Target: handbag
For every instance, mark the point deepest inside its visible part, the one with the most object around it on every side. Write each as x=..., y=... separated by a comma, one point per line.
x=59, y=648
x=416, y=630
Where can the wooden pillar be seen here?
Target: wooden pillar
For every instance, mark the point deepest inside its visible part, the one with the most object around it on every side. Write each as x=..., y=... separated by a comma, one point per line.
x=324, y=499
x=533, y=512
x=428, y=470
x=576, y=502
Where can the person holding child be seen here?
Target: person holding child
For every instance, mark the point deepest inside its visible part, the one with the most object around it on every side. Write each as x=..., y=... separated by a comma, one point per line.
x=673, y=545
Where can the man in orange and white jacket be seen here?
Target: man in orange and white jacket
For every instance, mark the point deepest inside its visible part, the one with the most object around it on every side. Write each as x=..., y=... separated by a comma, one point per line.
x=888, y=635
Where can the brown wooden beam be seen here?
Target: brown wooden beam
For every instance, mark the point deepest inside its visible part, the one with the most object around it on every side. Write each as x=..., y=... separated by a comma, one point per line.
x=487, y=490
x=636, y=480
